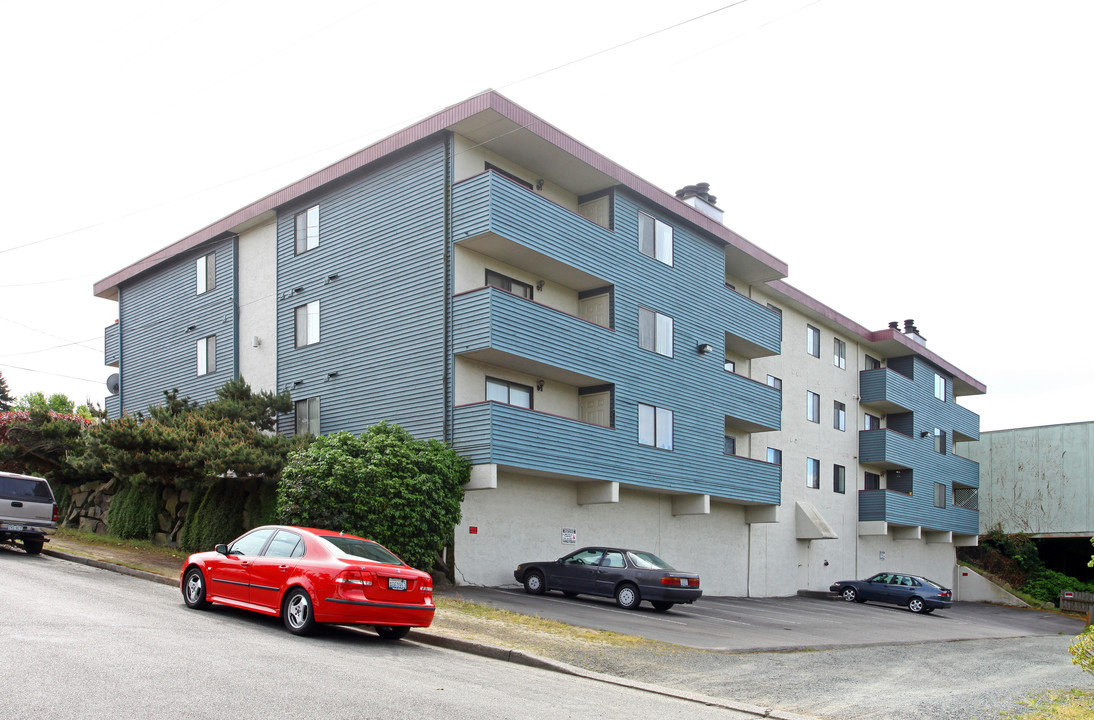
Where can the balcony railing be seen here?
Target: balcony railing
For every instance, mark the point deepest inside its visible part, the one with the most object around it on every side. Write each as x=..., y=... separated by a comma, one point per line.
x=887, y=391
x=902, y=509
x=111, y=345
x=491, y=432
x=887, y=449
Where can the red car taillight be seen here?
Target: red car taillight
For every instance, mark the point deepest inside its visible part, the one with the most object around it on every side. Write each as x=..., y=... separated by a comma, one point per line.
x=56, y=513
x=679, y=581
x=354, y=577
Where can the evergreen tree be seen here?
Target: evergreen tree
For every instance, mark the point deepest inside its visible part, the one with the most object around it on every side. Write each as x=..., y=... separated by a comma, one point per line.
x=6, y=398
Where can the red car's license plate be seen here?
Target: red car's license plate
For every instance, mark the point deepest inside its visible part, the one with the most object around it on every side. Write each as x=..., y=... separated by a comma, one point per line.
x=396, y=583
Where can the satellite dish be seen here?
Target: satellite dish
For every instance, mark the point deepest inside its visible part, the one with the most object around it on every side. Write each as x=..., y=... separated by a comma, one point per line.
x=113, y=383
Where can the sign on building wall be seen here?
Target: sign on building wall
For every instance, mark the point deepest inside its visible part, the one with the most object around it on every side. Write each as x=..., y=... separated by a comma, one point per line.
x=569, y=536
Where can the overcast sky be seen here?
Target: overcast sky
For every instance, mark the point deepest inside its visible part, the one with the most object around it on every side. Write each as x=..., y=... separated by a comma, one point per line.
x=930, y=160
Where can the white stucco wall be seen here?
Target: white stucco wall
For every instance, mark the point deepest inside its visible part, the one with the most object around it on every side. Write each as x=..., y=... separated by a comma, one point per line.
x=522, y=520
x=257, y=275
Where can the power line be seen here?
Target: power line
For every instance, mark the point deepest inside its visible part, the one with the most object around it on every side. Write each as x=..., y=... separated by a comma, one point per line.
x=43, y=372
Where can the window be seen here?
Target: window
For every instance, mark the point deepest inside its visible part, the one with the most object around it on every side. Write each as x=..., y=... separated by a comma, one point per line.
x=207, y=355
x=307, y=230
x=775, y=382
x=731, y=366
x=812, y=341
x=839, y=415
x=873, y=481
x=839, y=353
x=939, y=441
x=775, y=456
x=510, y=393
x=655, y=238
x=508, y=284
x=654, y=426
x=839, y=479
x=654, y=332
x=207, y=273
x=940, y=387
x=939, y=495
x=873, y=422
x=730, y=447
x=812, y=473
x=872, y=363
x=307, y=324
x=307, y=416
x=511, y=176
x=812, y=406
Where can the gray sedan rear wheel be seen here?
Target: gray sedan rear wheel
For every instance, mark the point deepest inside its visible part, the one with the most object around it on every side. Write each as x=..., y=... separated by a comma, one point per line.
x=917, y=605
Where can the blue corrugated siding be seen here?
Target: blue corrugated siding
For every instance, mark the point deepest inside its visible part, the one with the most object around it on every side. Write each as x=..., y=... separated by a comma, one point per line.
x=911, y=386
x=382, y=318
x=111, y=345
x=113, y=406
x=692, y=291
x=904, y=509
x=158, y=351
x=882, y=385
x=490, y=203
x=507, y=435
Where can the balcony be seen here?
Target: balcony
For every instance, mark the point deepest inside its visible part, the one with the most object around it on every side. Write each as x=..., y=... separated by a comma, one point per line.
x=887, y=449
x=498, y=218
x=499, y=328
x=754, y=330
x=112, y=345
x=963, y=471
x=549, y=445
x=901, y=509
x=750, y=406
x=113, y=406
x=887, y=391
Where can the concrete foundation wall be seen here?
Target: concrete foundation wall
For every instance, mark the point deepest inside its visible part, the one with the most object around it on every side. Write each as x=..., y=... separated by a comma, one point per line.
x=970, y=586
x=522, y=519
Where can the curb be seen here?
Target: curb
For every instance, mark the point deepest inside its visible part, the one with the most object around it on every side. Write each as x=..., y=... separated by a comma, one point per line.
x=493, y=652
x=103, y=565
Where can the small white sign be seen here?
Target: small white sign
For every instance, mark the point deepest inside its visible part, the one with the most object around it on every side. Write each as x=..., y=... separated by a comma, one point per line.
x=881, y=555
x=569, y=536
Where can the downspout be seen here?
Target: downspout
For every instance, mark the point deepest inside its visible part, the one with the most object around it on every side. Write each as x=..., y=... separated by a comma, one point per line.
x=449, y=271
x=235, y=306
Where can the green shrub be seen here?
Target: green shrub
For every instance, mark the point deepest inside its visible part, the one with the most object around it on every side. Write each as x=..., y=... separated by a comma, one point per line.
x=261, y=505
x=384, y=485
x=133, y=510
x=216, y=518
x=1046, y=585
x=1082, y=650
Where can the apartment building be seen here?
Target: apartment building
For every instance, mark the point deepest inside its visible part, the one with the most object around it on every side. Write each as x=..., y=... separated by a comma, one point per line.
x=619, y=365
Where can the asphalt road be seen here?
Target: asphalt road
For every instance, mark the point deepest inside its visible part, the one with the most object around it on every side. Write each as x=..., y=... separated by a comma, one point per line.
x=766, y=624
x=80, y=642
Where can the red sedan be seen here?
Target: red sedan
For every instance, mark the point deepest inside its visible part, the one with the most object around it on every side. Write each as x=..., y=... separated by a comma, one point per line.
x=308, y=576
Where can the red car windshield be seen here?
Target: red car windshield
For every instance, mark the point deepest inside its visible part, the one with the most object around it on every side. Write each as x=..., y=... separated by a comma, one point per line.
x=364, y=549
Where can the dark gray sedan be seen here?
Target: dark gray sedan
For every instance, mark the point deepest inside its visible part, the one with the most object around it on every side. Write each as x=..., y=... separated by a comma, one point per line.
x=914, y=592
x=630, y=576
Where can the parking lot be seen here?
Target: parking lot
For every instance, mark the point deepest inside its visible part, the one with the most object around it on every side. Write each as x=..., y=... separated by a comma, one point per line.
x=758, y=624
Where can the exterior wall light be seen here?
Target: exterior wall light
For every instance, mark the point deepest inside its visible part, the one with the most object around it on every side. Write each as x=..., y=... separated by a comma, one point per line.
x=704, y=348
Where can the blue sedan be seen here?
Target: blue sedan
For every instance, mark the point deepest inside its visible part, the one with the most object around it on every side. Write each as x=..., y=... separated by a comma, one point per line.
x=914, y=592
